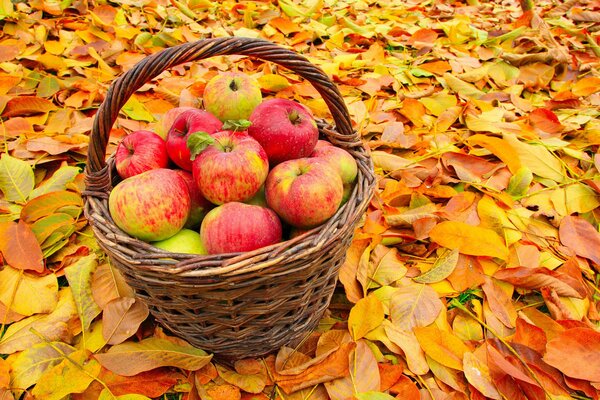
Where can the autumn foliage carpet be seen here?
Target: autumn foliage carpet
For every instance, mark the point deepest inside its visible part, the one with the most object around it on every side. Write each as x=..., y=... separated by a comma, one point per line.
x=474, y=273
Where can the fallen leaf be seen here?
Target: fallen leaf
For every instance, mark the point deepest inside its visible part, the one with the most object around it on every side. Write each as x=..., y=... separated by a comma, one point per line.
x=468, y=239
x=478, y=375
x=363, y=375
x=366, y=315
x=500, y=303
x=405, y=389
x=442, y=268
x=581, y=237
x=48, y=204
x=121, y=319
x=407, y=341
x=16, y=178
x=79, y=275
x=535, y=278
x=28, y=294
x=131, y=358
x=442, y=346
x=57, y=182
x=581, y=344
x=20, y=248
x=27, y=105
x=251, y=383
x=414, y=305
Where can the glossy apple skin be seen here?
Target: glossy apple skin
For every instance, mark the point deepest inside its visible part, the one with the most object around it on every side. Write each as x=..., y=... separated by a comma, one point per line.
x=199, y=205
x=339, y=159
x=286, y=129
x=166, y=122
x=186, y=123
x=232, y=96
x=238, y=227
x=151, y=206
x=233, y=168
x=140, y=151
x=185, y=241
x=304, y=192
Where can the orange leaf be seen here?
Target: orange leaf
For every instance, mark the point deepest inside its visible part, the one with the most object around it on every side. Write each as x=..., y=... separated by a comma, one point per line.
x=389, y=375
x=575, y=353
x=27, y=105
x=500, y=303
x=19, y=246
x=414, y=110
x=530, y=335
x=224, y=392
x=586, y=86
x=284, y=25
x=332, y=367
x=423, y=38
x=121, y=319
x=405, y=389
x=535, y=278
x=500, y=148
x=545, y=120
x=206, y=374
x=581, y=237
x=436, y=67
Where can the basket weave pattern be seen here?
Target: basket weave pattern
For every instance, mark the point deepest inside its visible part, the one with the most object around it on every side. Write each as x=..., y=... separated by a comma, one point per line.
x=243, y=304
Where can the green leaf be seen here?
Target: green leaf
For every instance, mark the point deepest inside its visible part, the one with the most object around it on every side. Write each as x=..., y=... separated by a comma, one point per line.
x=442, y=268
x=48, y=86
x=6, y=9
x=131, y=358
x=197, y=142
x=136, y=110
x=16, y=178
x=44, y=227
x=518, y=185
x=57, y=182
x=29, y=365
x=79, y=276
x=236, y=125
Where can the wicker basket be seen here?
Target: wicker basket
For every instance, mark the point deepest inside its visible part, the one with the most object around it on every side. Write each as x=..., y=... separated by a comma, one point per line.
x=234, y=305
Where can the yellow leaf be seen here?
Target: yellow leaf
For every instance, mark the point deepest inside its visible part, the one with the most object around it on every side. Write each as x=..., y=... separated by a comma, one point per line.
x=50, y=61
x=407, y=341
x=575, y=198
x=500, y=148
x=478, y=375
x=439, y=103
x=366, y=315
x=54, y=47
x=586, y=86
x=492, y=216
x=468, y=239
x=71, y=375
x=466, y=328
x=273, y=82
x=414, y=305
x=537, y=158
x=389, y=162
x=442, y=268
x=28, y=294
x=442, y=346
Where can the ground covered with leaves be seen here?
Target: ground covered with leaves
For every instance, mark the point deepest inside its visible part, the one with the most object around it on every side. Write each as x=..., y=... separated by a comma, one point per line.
x=474, y=273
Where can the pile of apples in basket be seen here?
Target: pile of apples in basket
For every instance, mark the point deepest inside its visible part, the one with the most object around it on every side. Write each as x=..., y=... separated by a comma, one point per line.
x=238, y=175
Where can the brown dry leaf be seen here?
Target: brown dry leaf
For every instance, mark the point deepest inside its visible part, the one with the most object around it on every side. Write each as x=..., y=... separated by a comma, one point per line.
x=500, y=303
x=535, y=278
x=108, y=284
x=581, y=237
x=20, y=247
x=121, y=319
x=414, y=305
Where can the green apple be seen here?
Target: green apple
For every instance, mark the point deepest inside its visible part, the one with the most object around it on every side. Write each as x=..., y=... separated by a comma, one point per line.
x=185, y=241
x=232, y=96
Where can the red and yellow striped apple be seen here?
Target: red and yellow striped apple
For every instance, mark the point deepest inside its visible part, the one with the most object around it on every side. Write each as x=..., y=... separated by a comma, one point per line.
x=233, y=168
x=187, y=123
x=236, y=227
x=140, y=151
x=286, y=129
x=151, y=206
x=232, y=95
x=199, y=205
x=304, y=192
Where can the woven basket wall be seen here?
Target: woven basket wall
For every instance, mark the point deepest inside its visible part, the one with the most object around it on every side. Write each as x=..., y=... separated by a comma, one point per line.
x=234, y=305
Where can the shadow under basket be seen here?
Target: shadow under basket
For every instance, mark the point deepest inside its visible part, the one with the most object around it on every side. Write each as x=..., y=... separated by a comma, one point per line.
x=233, y=305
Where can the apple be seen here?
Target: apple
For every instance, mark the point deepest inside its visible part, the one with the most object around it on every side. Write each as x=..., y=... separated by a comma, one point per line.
x=140, y=151
x=232, y=96
x=304, y=192
x=233, y=168
x=166, y=122
x=187, y=123
x=259, y=198
x=339, y=159
x=150, y=206
x=199, y=205
x=286, y=129
x=236, y=227
x=185, y=241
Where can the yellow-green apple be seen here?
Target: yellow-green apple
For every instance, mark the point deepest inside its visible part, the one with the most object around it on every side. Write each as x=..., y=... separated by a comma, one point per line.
x=232, y=168
x=199, y=205
x=340, y=160
x=259, y=198
x=286, y=129
x=150, y=206
x=140, y=151
x=304, y=192
x=185, y=241
x=166, y=122
x=232, y=95
x=186, y=124
x=236, y=227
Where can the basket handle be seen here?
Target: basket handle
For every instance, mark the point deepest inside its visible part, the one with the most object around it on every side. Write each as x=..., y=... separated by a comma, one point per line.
x=122, y=88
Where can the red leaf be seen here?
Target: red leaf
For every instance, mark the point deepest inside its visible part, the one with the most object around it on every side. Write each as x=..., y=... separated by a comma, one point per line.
x=27, y=105
x=581, y=237
x=535, y=278
x=545, y=120
x=575, y=353
x=19, y=246
x=530, y=336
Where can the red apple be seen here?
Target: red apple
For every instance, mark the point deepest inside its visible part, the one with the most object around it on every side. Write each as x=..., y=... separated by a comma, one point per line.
x=140, y=151
x=286, y=129
x=166, y=122
x=151, y=206
x=199, y=205
x=304, y=192
x=233, y=168
x=187, y=123
x=232, y=95
x=237, y=227
x=339, y=159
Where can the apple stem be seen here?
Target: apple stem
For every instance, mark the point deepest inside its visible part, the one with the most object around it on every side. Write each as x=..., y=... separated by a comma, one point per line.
x=294, y=117
x=233, y=85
